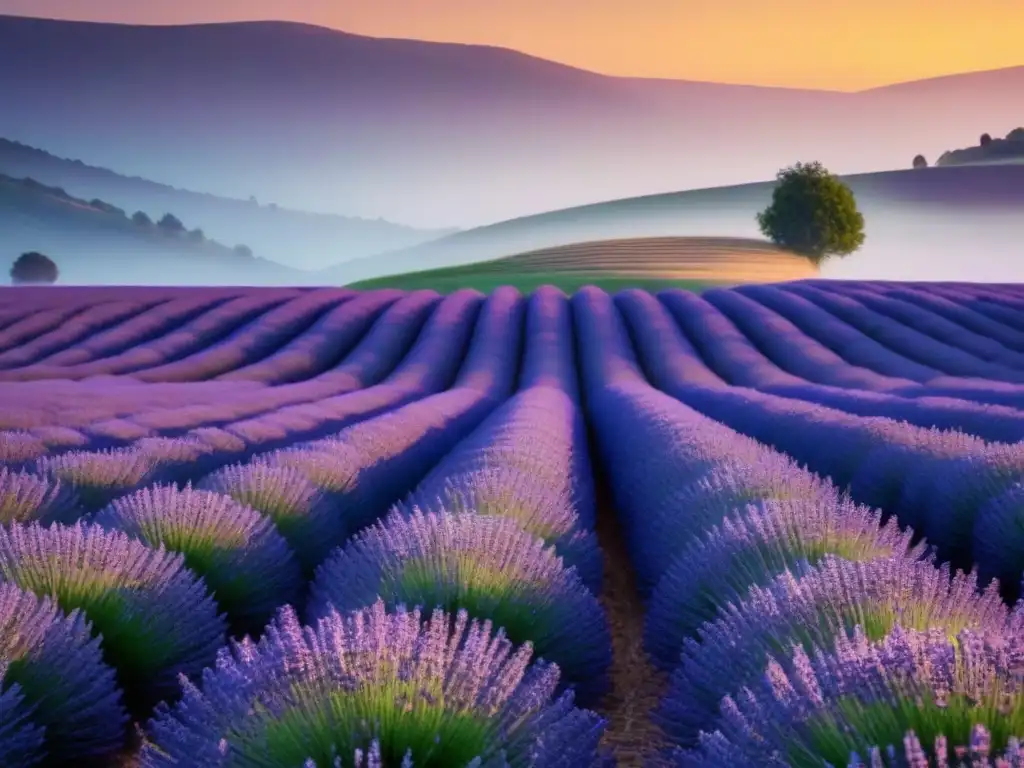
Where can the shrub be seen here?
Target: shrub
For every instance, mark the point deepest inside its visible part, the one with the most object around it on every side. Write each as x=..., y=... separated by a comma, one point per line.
x=247, y=564
x=920, y=161
x=813, y=213
x=383, y=686
x=34, y=267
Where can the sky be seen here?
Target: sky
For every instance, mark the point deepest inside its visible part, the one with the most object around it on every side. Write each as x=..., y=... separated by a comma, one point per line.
x=832, y=45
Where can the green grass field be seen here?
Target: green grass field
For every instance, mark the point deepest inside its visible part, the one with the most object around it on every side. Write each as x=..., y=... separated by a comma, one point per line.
x=651, y=263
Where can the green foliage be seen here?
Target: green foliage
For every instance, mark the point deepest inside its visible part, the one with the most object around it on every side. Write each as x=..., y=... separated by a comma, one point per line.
x=812, y=213
x=34, y=267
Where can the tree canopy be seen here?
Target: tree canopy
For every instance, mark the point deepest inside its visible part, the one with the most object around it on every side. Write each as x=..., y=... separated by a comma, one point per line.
x=34, y=267
x=813, y=213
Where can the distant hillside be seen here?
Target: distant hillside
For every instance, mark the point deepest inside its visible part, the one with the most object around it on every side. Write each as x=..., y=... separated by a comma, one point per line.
x=1008, y=150
x=294, y=238
x=936, y=223
x=650, y=262
x=96, y=243
x=437, y=134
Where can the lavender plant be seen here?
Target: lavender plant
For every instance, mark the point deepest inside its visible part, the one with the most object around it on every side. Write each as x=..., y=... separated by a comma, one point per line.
x=21, y=741
x=825, y=602
x=156, y=618
x=380, y=685
x=485, y=565
x=25, y=497
x=751, y=547
x=998, y=538
x=99, y=477
x=58, y=666
x=248, y=566
x=300, y=511
x=913, y=698
x=545, y=511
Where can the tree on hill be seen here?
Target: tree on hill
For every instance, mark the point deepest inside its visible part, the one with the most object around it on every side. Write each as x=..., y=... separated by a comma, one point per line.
x=812, y=213
x=243, y=250
x=985, y=140
x=920, y=161
x=33, y=267
x=196, y=235
x=141, y=218
x=171, y=223
x=1017, y=134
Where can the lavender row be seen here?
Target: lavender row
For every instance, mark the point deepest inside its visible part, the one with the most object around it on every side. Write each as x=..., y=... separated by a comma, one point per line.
x=741, y=363
x=219, y=403
x=944, y=484
x=181, y=341
x=784, y=569
x=825, y=331
x=101, y=475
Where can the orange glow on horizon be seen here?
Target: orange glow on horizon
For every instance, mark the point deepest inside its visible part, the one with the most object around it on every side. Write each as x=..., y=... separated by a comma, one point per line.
x=794, y=43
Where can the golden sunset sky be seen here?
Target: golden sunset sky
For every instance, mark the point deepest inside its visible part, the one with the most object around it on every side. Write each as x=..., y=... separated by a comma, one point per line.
x=800, y=43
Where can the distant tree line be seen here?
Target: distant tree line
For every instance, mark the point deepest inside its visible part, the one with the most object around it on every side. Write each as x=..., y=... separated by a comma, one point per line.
x=996, y=147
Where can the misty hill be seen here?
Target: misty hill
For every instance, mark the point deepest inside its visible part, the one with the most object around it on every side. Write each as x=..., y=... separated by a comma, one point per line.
x=294, y=238
x=652, y=263
x=1006, y=150
x=957, y=223
x=96, y=243
x=437, y=134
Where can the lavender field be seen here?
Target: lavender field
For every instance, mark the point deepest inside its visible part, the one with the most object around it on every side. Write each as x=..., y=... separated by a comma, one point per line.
x=773, y=525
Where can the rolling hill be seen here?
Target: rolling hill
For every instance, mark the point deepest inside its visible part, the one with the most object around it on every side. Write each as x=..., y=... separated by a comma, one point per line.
x=437, y=134
x=953, y=223
x=95, y=243
x=646, y=262
x=294, y=238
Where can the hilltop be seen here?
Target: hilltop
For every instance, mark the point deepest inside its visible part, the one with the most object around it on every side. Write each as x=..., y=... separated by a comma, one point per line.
x=959, y=222
x=646, y=262
x=438, y=134
x=94, y=242
x=295, y=238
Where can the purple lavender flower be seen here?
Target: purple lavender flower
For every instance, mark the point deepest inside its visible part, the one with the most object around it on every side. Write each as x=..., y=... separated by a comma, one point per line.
x=910, y=696
x=18, y=449
x=445, y=693
x=248, y=566
x=301, y=511
x=25, y=497
x=826, y=601
x=327, y=465
x=21, y=740
x=688, y=510
x=544, y=510
x=752, y=547
x=156, y=618
x=486, y=565
x=99, y=477
x=59, y=667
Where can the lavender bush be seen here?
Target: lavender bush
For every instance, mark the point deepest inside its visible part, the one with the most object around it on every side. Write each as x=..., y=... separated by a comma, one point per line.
x=247, y=564
x=913, y=698
x=58, y=667
x=99, y=477
x=814, y=609
x=444, y=693
x=750, y=548
x=25, y=497
x=485, y=565
x=21, y=741
x=156, y=618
